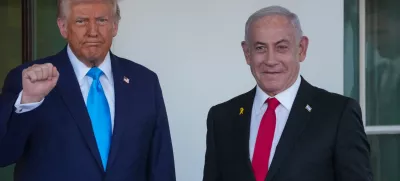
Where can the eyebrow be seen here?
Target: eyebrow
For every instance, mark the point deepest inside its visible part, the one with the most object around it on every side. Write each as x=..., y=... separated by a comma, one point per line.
x=282, y=41
x=259, y=43
x=86, y=17
x=101, y=17
x=278, y=42
x=82, y=17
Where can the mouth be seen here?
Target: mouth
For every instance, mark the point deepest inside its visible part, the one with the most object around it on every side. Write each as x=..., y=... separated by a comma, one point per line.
x=92, y=43
x=271, y=73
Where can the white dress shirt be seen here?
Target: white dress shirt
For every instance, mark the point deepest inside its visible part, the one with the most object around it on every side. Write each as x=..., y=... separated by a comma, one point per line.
x=286, y=99
x=85, y=82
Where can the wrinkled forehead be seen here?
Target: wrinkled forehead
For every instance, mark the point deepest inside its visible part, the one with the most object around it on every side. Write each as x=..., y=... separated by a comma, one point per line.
x=272, y=28
x=272, y=21
x=91, y=8
x=91, y=1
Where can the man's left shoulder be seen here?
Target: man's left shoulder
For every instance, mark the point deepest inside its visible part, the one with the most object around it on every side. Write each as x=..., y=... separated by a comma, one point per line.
x=135, y=68
x=334, y=101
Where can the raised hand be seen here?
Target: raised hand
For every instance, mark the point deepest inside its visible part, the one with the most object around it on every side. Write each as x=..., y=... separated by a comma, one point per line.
x=37, y=81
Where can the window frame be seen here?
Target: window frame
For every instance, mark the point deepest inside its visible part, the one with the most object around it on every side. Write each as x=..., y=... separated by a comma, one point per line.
x=27, y=12
x=370, y=130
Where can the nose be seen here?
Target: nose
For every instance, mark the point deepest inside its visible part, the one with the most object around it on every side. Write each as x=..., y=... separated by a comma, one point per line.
x=270, y=59
x=93, y=29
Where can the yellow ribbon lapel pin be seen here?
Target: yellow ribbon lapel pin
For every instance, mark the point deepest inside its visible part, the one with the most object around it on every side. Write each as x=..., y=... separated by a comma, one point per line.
x=241, y=111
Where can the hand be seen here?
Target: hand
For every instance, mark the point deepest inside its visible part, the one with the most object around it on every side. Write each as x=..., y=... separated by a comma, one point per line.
x=37, y=81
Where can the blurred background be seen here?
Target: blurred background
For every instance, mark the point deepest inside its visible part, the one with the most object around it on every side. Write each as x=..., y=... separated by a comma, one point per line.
x=194, y=47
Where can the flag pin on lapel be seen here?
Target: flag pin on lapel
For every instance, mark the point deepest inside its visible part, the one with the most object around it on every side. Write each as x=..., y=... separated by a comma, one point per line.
x=126, y=80
x=308, y=107
x=241, y=110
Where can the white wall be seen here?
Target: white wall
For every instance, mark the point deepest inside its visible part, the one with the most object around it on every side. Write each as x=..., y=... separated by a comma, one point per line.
x=194, y=47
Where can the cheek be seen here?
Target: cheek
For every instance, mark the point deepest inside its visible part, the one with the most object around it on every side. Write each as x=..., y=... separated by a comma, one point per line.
x=256, y=64
x=257, y=58
x=288, y=60
x=257, y=69
x=292, y=67
x=286, y=56
x=77, y=34
x=106, y=32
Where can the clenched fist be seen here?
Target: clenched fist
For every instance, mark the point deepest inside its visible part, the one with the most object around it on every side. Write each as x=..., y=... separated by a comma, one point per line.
x=37, y=81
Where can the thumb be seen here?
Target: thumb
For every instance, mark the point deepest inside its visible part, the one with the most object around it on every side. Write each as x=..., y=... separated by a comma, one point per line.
x=55, y=73
x=55, y=76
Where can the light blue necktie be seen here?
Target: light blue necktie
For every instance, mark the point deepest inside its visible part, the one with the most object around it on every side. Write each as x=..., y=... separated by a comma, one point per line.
x=99, y=113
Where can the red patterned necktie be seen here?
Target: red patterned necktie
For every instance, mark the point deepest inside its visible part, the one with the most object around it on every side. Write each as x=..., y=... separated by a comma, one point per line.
x=264, y=140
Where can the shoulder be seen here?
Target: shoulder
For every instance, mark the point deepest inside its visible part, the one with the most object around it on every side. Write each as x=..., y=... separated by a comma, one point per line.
x=331, y=97
x=226, y=108
x=334, y=103
x=136, y=69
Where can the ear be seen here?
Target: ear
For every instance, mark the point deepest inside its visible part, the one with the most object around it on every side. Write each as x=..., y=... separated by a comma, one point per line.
x=62, y=26
x=246, y=51
x=303, y=48
x=115, y=28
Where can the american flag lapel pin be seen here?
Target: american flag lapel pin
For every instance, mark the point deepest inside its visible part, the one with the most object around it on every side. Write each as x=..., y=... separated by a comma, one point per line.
x=126, y=80
x=308, y=107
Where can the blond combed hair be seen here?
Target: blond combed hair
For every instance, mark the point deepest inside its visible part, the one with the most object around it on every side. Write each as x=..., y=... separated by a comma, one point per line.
x=63, y=7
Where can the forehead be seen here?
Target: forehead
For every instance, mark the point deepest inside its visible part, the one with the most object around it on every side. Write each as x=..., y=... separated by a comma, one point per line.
x=272, y=28
x=96, y=8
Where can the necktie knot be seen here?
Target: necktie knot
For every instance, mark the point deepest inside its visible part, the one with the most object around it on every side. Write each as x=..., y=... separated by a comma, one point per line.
x=95, y=73
x=272, y=103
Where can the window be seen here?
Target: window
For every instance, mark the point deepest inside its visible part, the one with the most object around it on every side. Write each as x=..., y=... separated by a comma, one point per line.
x=372, y=76
x=10, y=36
x=29, y=31
x=10, y=49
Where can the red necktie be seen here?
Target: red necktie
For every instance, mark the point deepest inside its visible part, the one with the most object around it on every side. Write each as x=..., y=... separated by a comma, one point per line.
x=264, y=140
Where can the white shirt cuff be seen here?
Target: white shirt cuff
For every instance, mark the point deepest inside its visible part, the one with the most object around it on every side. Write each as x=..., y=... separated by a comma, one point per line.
x=22, y=108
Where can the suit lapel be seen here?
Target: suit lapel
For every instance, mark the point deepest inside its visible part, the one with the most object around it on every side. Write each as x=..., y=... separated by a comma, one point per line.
x=69, y=89
x=242, y=131
x=123, y=102
x=297, y=121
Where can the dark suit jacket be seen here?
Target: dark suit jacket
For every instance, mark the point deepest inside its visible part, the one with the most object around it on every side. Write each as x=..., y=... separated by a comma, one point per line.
x=55, y=142
x=327, y=143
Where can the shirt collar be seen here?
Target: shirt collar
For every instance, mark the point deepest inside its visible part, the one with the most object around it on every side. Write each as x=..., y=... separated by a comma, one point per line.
x=286, y=98
x=81, y=69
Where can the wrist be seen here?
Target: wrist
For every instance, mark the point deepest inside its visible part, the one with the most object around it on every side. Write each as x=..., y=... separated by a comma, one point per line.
x=26, y=99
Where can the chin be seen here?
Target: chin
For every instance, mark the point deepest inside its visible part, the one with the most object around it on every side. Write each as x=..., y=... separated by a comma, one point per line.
x=271, y=91
x=270, y=85
x=92, y=55
x=271, y=79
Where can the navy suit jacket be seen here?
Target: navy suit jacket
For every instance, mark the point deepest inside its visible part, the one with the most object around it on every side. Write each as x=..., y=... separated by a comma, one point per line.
x=56, y=142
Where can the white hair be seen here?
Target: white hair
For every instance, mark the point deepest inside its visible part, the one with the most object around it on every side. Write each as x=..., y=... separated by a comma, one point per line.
x=274, y=10
x=63, y=7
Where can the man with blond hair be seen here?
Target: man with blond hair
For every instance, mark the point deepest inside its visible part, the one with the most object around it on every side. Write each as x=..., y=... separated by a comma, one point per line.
x=85, y=114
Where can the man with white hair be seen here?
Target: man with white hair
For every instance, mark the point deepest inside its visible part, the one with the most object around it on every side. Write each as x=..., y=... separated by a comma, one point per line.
x=284, y=128
x=85, y=114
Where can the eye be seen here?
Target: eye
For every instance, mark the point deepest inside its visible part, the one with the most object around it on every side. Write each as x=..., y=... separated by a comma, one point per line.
x=102, y=20
x=260, y=48
x=80, y=21
x=282, y=48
